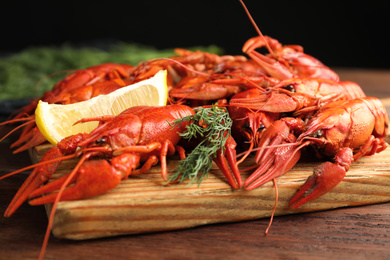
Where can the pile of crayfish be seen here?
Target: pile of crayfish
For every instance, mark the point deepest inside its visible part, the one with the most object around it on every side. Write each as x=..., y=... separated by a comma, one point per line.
x=280, y=103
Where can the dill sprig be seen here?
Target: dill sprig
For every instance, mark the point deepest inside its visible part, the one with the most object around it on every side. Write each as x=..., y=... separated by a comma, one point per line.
x=212, y=126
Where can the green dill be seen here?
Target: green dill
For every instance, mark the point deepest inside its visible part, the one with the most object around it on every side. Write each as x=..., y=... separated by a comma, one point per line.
x=213, y=127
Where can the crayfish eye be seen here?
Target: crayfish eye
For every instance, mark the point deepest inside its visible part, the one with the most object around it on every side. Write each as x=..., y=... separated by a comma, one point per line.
x=261, y=127
x=188, y=102
x=246, y=126
x=101, y=140
x=318, y=134
x=290, y=88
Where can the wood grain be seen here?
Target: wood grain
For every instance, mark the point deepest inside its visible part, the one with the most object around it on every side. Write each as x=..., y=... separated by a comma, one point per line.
x=143, y=204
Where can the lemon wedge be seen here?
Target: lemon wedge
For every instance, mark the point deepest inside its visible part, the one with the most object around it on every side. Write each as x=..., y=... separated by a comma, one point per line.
x=56, y=121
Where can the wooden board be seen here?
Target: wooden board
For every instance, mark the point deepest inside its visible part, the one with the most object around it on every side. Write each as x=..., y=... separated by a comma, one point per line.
x=145, y=203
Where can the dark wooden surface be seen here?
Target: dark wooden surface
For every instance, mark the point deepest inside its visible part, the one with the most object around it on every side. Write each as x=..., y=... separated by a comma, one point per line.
x=356, y=232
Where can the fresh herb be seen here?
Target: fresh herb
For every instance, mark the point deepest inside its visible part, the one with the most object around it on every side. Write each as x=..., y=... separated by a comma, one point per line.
x=213, y=127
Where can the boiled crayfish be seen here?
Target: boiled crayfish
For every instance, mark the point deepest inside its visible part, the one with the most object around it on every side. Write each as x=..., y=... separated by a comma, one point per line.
x=344, y=130
x=285, y=62
x=116, y=147
x=279, y=103
x=83, y=84
x=273, y=100
x=140, y=134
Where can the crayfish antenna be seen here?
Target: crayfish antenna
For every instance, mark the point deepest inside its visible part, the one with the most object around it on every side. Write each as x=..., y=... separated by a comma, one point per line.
x=274, y=67
x=274, y=209
x=256, y=27
x=16, y=120
x=246, y=153
x=16, y=128
x=32, y=138
x=54, y=208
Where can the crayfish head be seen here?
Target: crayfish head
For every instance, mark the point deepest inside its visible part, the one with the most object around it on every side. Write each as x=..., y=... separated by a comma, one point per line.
x=249, y=125
x=292, y=85
x=251, y=133
x=69, y=144
x=326, y=142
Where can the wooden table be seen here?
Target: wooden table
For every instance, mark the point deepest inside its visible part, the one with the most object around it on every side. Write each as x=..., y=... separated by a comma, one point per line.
x=356, y=232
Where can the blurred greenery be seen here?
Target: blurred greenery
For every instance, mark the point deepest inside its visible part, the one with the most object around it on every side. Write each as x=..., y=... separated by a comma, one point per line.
x=31, y=72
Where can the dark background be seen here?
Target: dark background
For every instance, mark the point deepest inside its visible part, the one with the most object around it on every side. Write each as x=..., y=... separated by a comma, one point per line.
x=338, y=33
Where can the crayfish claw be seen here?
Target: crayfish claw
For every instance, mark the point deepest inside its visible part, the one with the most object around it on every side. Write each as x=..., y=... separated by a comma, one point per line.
x=325, y=177
x=233, y=174
x=274, y=165
x=87, y=182
x=278, y=152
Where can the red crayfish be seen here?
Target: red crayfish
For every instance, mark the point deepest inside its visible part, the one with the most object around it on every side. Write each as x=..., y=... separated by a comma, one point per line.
x=334, y=117
x=81, y=85
x=345, y=130
x=116, y=147
x=279, y=103
x=284, y=62
x=119, y=143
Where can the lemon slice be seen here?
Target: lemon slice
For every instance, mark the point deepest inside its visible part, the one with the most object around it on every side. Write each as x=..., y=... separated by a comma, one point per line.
x=56, y=121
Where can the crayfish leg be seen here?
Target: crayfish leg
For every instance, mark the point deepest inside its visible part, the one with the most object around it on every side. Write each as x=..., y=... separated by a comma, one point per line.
x=150, y=162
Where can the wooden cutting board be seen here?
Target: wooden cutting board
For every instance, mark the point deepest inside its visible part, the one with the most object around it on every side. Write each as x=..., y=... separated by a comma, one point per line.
x=146, y=203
